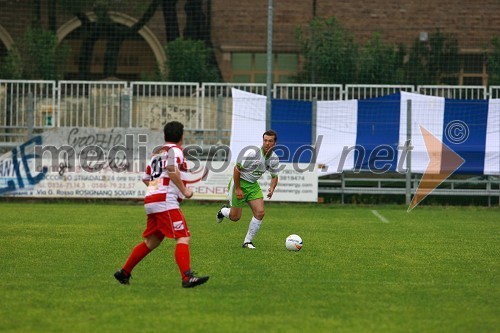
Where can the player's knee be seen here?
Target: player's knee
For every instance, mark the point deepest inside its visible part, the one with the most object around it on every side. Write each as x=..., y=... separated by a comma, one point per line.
x=234, y=218
x=184, y=240
x=152, y=243
x=259, y=215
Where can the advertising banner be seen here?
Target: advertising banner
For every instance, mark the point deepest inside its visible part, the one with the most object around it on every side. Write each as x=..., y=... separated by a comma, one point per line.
x=26, y=171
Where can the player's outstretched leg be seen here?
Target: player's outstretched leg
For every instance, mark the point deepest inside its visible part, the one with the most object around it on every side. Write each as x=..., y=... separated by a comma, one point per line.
x=138, y=253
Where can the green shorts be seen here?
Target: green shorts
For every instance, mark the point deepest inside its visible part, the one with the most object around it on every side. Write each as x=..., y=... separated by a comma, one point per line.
x=251, y=191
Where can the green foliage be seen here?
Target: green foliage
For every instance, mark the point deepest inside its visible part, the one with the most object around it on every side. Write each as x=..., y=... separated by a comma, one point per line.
x=36, y=57
x=329, y=51
x=433, y=61
x=157, y=75
x=331, y=56
x=11, y=67
x=189, y=61
x=494, y=63
x=380, y=63
x=42, y=56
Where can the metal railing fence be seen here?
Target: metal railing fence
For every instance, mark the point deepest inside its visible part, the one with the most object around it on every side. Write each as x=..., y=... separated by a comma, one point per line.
x=206, y=111
x=110, y=104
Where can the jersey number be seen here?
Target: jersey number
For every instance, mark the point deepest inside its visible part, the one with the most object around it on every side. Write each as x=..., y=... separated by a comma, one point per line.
x=156, y=167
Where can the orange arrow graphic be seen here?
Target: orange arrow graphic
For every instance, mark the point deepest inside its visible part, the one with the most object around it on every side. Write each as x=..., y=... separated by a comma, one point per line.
x=443, y=162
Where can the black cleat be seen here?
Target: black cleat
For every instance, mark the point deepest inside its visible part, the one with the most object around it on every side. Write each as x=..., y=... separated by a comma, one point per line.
x=248, y=245
x=193, y=280
x=122, y=276
x=220, y=216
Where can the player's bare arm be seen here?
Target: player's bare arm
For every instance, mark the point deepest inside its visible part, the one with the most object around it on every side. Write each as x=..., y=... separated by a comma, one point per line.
x=274, y=183
x=237, y=187
x=175, y=176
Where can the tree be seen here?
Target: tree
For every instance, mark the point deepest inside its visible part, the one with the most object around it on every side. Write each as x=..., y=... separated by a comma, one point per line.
x=189, y=61
x=198, y=28
x=11, y=66
x=37, y=56
x=380, y=63
x=433, y=61
x=329, y=51
x=494, y=63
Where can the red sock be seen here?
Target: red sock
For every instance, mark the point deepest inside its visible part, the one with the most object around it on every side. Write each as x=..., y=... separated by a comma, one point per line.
x=138, y=253
x=183, y=259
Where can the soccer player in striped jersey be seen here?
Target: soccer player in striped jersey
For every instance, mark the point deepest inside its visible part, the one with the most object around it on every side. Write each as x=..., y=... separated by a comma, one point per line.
x=165, y=190
x=244, y=188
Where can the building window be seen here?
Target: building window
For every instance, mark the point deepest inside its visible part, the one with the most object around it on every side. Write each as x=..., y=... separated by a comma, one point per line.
x=134, y=59
x=473, y=70
x=252, y=67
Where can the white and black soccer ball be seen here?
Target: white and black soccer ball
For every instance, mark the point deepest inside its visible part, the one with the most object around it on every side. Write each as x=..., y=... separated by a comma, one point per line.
x=293, y=243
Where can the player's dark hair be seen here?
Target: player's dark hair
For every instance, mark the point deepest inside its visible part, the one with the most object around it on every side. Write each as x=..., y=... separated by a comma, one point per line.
x=173, y=131
x=271, y=133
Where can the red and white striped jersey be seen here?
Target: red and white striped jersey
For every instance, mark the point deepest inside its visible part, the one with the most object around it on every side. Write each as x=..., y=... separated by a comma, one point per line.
x=162, y=194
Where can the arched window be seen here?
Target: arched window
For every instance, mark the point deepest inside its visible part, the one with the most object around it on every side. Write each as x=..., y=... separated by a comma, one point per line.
x=138, y=55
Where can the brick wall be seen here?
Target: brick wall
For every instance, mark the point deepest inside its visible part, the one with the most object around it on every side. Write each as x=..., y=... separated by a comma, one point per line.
x=398, y=21
x=242, y=25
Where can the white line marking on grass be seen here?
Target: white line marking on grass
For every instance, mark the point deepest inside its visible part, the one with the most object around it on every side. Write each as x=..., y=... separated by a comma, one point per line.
x=380, y=217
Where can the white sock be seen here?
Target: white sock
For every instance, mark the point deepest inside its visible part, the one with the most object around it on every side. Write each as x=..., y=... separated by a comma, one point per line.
x=225, y=212
x=253, y=228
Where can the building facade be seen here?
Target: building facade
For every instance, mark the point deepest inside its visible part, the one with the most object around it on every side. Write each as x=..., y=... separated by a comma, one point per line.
x=237, y=31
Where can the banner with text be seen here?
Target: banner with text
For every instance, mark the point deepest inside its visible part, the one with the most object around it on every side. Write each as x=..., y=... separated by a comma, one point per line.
x=19, y=176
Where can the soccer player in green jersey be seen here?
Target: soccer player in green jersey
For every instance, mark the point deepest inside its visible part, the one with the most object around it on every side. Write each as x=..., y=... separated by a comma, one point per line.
x=244, y=188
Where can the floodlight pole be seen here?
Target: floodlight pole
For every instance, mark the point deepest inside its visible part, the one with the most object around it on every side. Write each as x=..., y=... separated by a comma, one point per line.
x=269, y=76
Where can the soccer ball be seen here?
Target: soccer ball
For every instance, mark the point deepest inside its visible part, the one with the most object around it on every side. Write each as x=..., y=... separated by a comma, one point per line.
x=293, y=243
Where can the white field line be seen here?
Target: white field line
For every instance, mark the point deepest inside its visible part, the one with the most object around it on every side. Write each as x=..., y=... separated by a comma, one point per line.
x=380, y=217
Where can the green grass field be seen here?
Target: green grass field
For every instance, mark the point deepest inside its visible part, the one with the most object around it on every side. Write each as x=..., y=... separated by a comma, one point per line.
x=435, y=269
